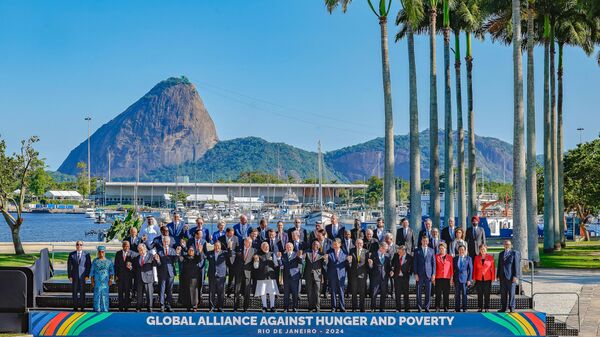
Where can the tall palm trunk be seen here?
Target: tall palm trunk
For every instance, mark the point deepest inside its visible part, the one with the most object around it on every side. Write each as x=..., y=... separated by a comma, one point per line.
x=532, y=232
x=448, y=139
x=520, y=207
x=460, y=143
x=560, y=145
x=434, y=150
x=415, y=150
x=389, y=188
x=548, y=212
x=472, y=182
x=553, y=140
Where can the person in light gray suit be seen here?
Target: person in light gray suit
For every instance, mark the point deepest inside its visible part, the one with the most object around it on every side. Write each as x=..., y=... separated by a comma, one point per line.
x=241, y=270
x=145, y=276
x=475, y=237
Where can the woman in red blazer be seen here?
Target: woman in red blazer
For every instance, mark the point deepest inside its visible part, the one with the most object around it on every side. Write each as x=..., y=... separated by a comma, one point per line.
x=484, y=272
x=444, y=271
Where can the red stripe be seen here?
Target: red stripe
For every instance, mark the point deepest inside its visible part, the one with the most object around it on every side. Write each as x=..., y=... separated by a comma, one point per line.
x=537, y=322
x=53, y=324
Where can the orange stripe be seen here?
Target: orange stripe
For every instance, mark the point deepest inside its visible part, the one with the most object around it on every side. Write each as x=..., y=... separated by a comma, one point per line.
x=51, y=326
x=537, y=322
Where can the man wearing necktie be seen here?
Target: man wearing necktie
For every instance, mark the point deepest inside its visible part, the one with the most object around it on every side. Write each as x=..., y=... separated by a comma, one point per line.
x=475, y=237
x=424, y=267
x=176, y=226
x=508, y=273
x=380, y=230
x=448, y=232
x=427, y=231
x=358, y=273
x=295, y=240
x=123, y=264
x=217, y=271
x=463, y=274
x=242, y=229
x=335, y=230
x=404, y=236
x=313, y=275
x=381, y=270
x=241, y=270
x=336, y=275
x=402, y=266
x=144, y=274
x=291, y=265
x=79, y=264
x=281, y=234
x=166, y=274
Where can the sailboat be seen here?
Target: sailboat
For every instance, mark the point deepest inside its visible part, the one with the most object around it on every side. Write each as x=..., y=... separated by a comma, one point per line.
x=319, y=214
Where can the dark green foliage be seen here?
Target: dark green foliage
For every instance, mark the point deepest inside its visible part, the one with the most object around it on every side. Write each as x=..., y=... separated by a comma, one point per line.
x=120, y=228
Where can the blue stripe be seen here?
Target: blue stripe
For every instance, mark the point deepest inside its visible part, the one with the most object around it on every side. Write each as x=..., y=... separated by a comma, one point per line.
x=39, y=323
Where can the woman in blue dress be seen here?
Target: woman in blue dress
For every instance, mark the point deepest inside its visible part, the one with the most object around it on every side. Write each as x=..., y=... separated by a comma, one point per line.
x=102, y=274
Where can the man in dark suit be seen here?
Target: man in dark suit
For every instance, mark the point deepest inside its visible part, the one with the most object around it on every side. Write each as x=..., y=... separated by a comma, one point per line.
x=359, y=268
x=357, y=232
x=370, y=243
x=405, y=237
x=463, y=274
x=296, y=242
x=274, y=244
x=124, y=274
x=281, y=234
x=402, y=265
x=79, y=264
x=379, y=232
x=263, y=228
x=157, y=243
x=427, y=231
x=143, y=266
x=380, y=270
x=347, y=242
x=303, y=233
x=291, y=265
x=313, y=275
x=176, y=226
x=241, y=271
x=508, y=273
x=448, y=232
x=242, y=229
x=335, y=230
x=200, y=227
x=336, y=276
x=199, y=245
x=475, y=237
x=217, y=271
x=424, y=269
x=133, y=238
x=325, y=245
x=166, y=274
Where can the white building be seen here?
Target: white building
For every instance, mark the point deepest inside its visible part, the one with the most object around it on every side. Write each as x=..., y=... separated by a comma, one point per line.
x=63, y=195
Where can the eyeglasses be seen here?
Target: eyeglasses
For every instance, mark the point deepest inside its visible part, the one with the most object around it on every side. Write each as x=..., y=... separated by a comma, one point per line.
x=79, y=244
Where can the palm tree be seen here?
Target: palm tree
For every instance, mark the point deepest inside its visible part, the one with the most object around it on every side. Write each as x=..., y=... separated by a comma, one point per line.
x=548, y=190
x=519, y=204
x=389, y=188
x=448, y=140
x=413, y=14
x=434, y=151
x=532, y=234
x=554, y=138
x=472, y=172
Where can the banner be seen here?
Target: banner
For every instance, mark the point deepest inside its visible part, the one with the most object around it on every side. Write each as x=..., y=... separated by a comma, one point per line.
x=63, y=323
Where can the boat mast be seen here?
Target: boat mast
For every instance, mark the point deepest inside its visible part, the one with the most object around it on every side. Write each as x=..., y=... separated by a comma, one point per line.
x=320, y=167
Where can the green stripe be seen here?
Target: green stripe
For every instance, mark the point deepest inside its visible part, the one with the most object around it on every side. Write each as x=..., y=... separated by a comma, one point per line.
x=502, y=322
x=514, y=322
x=90, y=322
x=80, y=321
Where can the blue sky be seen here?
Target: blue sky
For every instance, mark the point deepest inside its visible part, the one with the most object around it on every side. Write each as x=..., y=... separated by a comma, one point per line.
x=283, y=70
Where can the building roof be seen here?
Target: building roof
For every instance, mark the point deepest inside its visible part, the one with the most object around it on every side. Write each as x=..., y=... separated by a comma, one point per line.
x=62, y=194
x=202, y=197
x=171, y=184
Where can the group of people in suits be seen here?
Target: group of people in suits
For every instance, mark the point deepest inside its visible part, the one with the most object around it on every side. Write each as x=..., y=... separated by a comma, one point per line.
x=265, y=262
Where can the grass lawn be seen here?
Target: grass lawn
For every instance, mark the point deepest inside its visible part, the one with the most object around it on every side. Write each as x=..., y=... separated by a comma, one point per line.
x=12, y=260
x=585, y=255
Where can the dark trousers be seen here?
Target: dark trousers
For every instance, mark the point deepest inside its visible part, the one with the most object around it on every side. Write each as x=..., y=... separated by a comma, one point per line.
x=200, y=284
x=147, y=288
x=423, y=284
x=359, y=288
x=216, y=292
x=290, y=287
x=243, y=286
x=313, y=291
x=484, y=289
x=78, y=289
x=124, y=289
x=442, y=291
x=460, y=296
x=166, y=292
x=507, y=293
x=401, y=285
x=336, y=289
x=380, y=288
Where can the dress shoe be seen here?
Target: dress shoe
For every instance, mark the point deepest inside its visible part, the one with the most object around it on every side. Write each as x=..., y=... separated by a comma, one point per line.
x=426, y=310
x=511, y=309
x=169, y=309
x=479, y=310
x=501, y=310
x=273, y=309
x=264, y=309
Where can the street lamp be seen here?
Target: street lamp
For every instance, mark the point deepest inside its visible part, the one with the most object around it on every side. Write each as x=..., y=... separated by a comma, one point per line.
x=580, y=134
x=89, y=120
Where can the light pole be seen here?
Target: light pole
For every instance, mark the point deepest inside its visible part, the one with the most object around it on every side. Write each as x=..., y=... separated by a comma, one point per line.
x=89, y=120
x=580, y=134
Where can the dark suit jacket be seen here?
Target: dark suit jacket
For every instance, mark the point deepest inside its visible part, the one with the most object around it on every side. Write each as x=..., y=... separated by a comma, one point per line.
x=336, y=268
x=291, y=267
x=313, y=268
x=217, y=265
x=463, y=273
x=424, y=232
x=408, y=241
x=380, y=271
x=133, y=242
x=446, y=235
x=190, y=267
x=340, y=233
x=157, y=243
x=120, y=265
x=166, y=266
x=301, y=245
x=357, y=234
x=205, y=235
x=79, y=269
x=346, y=248
x=424, y=265
x=241, y=266
x=235, y=242
x=359, y=269
x=406, y=267
x=372, y=245
x=509, y=266
x=303, y=234
x=474, y=240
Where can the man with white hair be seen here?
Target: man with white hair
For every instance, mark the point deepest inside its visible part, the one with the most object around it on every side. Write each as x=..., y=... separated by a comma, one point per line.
x=242, y=229
x=166, y=273
x=335, y=230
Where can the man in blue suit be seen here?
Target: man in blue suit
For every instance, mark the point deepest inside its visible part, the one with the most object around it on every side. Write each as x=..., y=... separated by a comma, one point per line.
x=200, y=227
x=79, y=264
x=242, y=229
x=424, y=269
x=508, y=273
x=336, y=275
x=166, y=274
x=463, y=274
x=428, y=231
x=157, y=243
x=217, y=271
x=335, y=230
x=380, y=265
x=291, y=265
x=176, y=226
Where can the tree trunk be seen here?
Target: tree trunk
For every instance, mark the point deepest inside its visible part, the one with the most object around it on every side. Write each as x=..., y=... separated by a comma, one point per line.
x=448, y=146
x=415, y=150
x=532, y=233
x=460, y=143
x=560, y=146
x=389, y=184
x=15, y=227
x=472, y=183
x=548, y=214
x=434, y=150
x=554, y=141
x=519, y=199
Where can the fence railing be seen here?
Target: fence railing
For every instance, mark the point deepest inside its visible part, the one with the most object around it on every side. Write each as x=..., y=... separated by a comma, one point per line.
x=561, y=314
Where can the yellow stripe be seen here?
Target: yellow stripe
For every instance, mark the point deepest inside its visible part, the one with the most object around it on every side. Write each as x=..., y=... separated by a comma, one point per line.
x=64, y=327
x=524, y=324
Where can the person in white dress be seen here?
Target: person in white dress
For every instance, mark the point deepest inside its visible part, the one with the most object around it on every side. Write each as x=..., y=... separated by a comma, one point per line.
x=150, y=229
x=266, y=270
